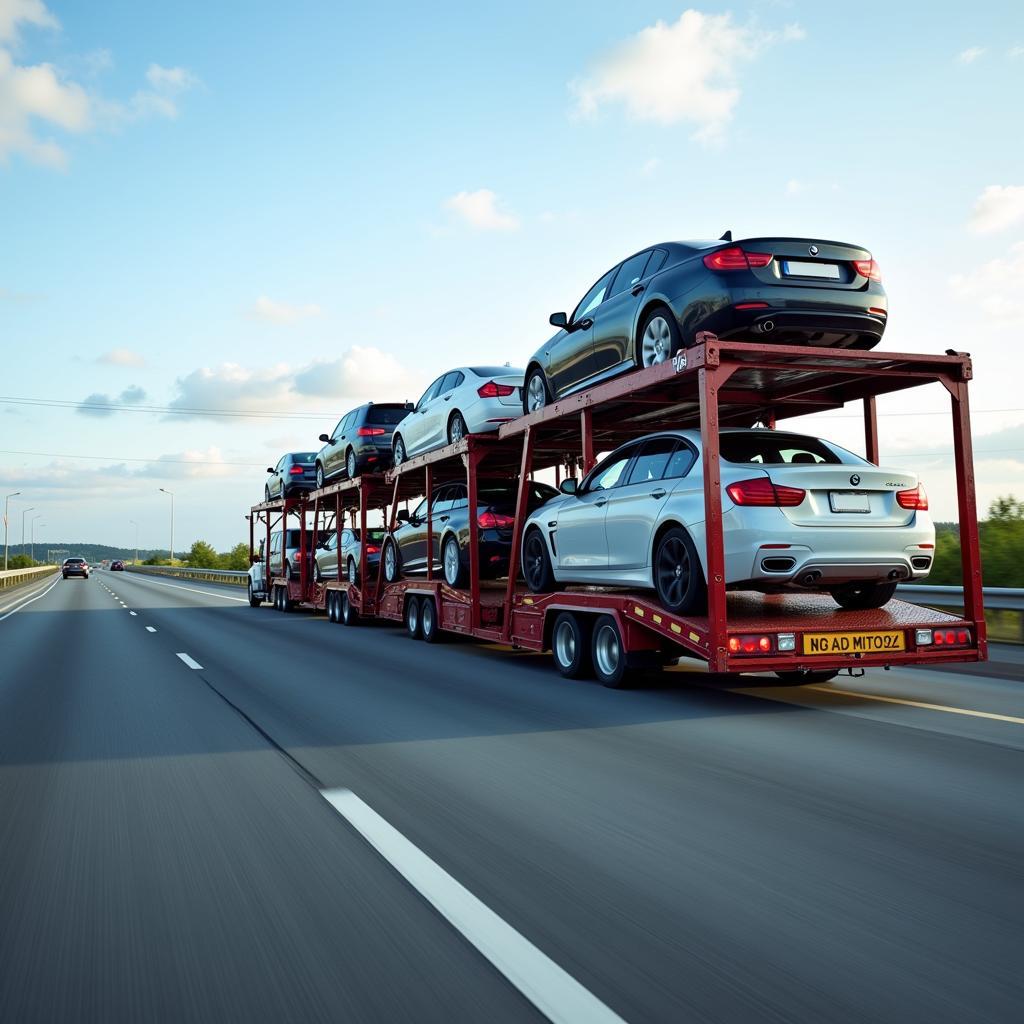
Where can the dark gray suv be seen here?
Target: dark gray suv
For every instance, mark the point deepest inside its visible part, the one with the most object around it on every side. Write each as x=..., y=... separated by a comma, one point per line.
x=361, y=441
x=293, y=474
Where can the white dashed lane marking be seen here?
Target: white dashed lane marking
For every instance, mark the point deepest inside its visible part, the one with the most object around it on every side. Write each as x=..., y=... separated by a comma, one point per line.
x=150, y=629
x=191, y=662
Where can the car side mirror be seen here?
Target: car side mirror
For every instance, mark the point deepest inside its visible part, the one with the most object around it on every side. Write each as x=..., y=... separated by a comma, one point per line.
x=568, y=486
x=409, y=407
x=270, y=469
x=402, y=515
x=255, y=559
x=558, y=320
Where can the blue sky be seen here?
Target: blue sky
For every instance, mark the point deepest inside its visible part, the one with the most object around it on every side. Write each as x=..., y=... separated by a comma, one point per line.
x=244, y=208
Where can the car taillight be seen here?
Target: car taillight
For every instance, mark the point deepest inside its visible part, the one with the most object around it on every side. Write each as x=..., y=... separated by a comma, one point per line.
x=370, y=431
x=372, y=549
x=914, y=499
x=492, y=389
x=869, y=269
x=735, y=258
x=295, y=471
x=495, y=521
x=762, y=492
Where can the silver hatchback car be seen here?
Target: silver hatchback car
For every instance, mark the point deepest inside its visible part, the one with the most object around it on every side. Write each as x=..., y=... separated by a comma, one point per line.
x=798, y=513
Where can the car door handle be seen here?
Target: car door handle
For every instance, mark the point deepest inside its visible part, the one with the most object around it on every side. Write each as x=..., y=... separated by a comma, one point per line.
x=600, y=502
x=637, y=289
x=659, y=493
x=442, y=519
x=447, y=398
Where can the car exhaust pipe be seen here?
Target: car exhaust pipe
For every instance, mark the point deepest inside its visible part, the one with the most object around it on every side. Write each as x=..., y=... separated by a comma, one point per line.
x=810, y=578
x=897, y=574
x=767, y=326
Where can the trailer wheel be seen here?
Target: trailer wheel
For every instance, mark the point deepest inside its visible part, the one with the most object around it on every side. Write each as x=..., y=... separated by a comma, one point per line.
x=856, y=596
x=537, y=563
x=451, y=556
x=806, y=675
x=608, y=654
x=348, y=616
x=332, y=606
x=390, y=559
x=413, y=620
x=254, y=601
x=678, y=577
x=570, y=645
x=429, y=627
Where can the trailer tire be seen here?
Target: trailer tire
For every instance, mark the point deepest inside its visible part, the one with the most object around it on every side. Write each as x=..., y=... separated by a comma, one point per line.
x=859, y=596
x=254, y=601
x=537, y=563
x=609, y=655
x=392, y=569
x=413, y=619
x=570, y=645
x=429, y=628
x=451, y=558
x=347, y=615
x=799, y=677
x=678, y=577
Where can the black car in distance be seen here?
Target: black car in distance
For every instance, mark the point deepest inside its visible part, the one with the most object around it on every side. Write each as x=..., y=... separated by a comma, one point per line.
x=117, y=565
x=75, y=567
x=789, y=291
x=293, y=474
x=405, y=550
x=361, y=441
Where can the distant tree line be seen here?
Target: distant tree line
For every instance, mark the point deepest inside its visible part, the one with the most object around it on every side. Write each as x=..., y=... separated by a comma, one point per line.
x=1002, y=547
x=204, y=556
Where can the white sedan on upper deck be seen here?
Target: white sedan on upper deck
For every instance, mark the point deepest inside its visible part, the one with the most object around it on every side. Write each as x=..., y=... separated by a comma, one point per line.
x=798, y=513
x=469, y=400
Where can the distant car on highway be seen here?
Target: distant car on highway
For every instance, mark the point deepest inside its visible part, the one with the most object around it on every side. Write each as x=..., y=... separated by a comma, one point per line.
x=469, y=400
x=75, y=567
x=405, y=551
x=293, y=474
x=360, y=442
x=798, y=513
x=325, y=562
x=789, y=291
x=117, y=565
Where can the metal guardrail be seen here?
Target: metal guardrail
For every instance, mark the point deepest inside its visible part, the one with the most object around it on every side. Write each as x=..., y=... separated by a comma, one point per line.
x=233, y=577
x=14, y=577
x=996, y=598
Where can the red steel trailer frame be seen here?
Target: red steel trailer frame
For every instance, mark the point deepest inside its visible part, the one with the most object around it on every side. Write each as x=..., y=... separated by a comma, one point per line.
x=714, y=384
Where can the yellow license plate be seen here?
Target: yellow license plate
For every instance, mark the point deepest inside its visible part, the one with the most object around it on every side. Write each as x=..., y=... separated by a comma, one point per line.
x=855, y=643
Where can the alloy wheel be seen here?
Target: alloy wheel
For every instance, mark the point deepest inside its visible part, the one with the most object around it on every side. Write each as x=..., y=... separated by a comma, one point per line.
x=534, y=561
x=350, y=464
x=536, y=393
x=456, y=429
x=673, y=571
x=319, y=475
x=452, y=564
x=399, y=451
x=657, y=342
x=352, y=572
x=390, y=562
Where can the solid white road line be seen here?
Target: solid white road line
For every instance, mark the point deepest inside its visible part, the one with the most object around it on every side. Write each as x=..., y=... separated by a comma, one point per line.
x=191, y=662
x=917, y=704
x=208, y=593
x=554, y=992
x=18, y=605
x=150, y=629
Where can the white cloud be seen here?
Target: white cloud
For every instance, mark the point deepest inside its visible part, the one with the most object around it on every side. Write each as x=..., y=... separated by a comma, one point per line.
x=363, y=373
x=650, y=167
x=997, y=208
x=995, y=288
x=1015, y=51
x=100, y=405
x=121, y=357
x=281, y=312
x=29, y=12
x=794, y=187
x=686, y=71
x=970, y=55
x=479, y=210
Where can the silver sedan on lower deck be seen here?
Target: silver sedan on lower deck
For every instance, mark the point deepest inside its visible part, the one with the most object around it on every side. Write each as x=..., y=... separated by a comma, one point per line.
x=798, y=513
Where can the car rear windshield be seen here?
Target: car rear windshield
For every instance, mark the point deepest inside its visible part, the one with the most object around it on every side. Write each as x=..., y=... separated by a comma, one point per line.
x=376, y=536
x=74, y=561
x=306, y=458
x=504, y=495
x=498, y=371
x=775, y=449
x=386, y=416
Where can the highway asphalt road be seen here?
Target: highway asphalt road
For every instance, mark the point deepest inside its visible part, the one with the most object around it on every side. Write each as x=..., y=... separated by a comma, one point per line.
x=689, y=851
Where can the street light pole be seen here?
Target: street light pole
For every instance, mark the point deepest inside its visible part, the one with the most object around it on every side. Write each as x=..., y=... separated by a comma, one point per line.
x=136, y=525
x=171, y=493
x=32, y=528
x=13, y=494
x=24, y=512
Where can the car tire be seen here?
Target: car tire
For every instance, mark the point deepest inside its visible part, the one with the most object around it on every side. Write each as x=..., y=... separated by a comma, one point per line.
x=537, y=570
x=429, y=626
x=860, y=596
x=288, y=571
x=800, y=677
x=317, y=576
x=398, y=455
x=389, y=559
x=536, y=393
x=456, y=427
x=348, y=616
x=352, y=571
x=658, y=339
x=266, y=493
x=254, y=601
x=351, y=466
x=413, y=618
x=570, y=645
x=64, y=575
x=451, y=558
x=321, y=478
x=608, y=654
x=677, y=575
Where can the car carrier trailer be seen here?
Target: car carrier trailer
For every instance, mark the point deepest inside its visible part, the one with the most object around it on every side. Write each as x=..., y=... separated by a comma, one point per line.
x=715, y=384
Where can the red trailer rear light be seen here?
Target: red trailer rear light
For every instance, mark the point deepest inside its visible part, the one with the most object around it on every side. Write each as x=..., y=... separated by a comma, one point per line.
x=869, y=269
x=761, y=492
x=494, y=390
x=958, y=637
x=370, y=431
x=913, y=499
x=750, y=644
x=495, y=521
x=735, y=258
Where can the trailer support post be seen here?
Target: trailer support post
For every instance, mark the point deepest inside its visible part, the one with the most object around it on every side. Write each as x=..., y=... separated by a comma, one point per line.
x=429, y=484
x=363, y=541
x=717, y=633
x=587, y=431
x=472, y=463
x=871, y=430
x=517, y=531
